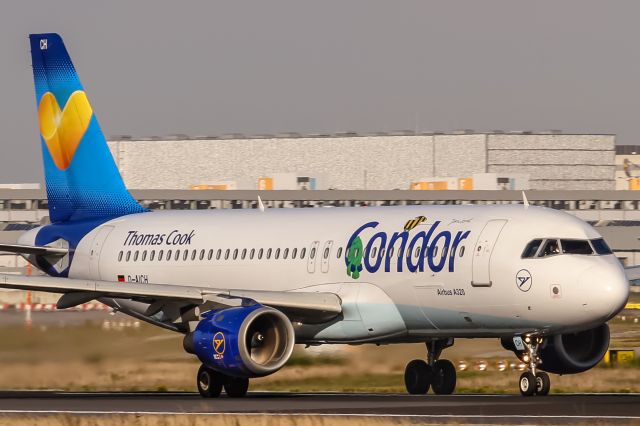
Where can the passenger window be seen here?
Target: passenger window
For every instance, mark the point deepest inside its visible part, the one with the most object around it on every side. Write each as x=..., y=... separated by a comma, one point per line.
x=576, y=247
x=177, y=255
x=418, y=251
x=128, y=256
x=194, y=254
x=312, y=254
x=326, y=253
x=373, y=252
x=435, y=251
x=381, y=254
x=531, y=249
x=135, y=256
x=461, y=251
x=160, y=255
x=252, y=253
x=218, y=254
x=601, y=247
x=202, y=254
x=303, y=252
x=550, y=248
x=260, y=253
x=268, y=253
x=339, y=253
x=294, y=252
x=185, y=255
x=277, y=256
x=144, y=255
x=244, y=254
x=120, y=256
x=285, y=254
x=226, y=254
x=210, y=255
x=390, y=253
x=168, y=255
x=235, y=254
x=152, y=255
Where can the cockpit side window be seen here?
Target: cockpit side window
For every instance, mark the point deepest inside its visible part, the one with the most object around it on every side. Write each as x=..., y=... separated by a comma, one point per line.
x=601, y=247
x=551, y=247
x=531, y=249
x=576, y=247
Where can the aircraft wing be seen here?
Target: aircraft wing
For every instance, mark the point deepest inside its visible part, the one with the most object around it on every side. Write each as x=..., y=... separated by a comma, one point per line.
x=37, y=250
x=318, y=306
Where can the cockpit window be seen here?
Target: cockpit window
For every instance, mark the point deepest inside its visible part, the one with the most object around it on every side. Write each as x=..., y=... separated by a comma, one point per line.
x=600, y=246
x=576, y=247
x=531, y=249
x=550, y=248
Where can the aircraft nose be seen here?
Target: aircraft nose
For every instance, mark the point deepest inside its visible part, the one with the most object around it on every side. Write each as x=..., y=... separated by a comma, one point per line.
x=606, y=288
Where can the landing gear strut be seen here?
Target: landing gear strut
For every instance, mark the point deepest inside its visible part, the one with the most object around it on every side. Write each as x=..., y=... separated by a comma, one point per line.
x=437, y=374
x=533, y=381
x=210, y=384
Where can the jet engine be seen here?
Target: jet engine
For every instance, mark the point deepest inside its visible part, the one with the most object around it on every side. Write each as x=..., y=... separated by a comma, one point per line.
x=570, y=353
x=246, y=341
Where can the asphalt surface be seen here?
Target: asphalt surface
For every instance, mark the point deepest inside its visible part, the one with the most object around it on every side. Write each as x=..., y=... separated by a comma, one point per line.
x=505, y=409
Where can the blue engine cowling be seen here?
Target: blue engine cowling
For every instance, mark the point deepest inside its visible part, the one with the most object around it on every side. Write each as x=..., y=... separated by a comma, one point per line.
x=247, y=341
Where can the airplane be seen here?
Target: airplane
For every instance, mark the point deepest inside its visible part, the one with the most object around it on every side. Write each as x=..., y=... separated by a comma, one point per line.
x=244, y=286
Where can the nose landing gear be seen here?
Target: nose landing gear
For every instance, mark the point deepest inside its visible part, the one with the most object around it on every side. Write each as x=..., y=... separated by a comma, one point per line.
x=437, y=374
x=533, y=381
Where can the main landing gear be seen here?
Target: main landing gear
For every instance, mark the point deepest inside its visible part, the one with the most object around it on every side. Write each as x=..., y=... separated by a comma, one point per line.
x=437, y=374
x=210, y=384
x=533, y=381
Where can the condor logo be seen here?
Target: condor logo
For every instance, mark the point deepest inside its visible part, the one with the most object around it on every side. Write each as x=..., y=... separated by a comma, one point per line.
x=218, y=345
x=381, y=250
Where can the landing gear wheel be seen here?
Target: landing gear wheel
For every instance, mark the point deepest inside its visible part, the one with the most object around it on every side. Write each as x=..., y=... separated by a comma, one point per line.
x=236, y=387
x=444, y=377
x=417, y=377
x=527, y=383
x=209, y=382
x=543, y=383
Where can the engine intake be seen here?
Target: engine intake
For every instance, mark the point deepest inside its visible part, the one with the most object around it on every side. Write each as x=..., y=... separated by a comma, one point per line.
x=247, y=341
x=572, y=352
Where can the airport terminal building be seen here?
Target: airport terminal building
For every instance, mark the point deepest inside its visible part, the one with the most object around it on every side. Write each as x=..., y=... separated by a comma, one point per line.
x=349, y=161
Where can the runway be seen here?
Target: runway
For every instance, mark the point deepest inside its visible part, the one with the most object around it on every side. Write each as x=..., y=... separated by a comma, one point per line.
x=570, y=408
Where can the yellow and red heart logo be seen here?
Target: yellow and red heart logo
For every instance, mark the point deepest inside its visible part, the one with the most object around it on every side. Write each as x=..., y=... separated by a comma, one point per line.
x=62, y=130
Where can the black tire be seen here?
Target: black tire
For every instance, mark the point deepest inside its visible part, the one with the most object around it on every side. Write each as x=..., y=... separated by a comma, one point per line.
x=236, y=387
x=417, y=377
x=527, y=384
x=209, y=382
x=444, y=377
x=543, y=383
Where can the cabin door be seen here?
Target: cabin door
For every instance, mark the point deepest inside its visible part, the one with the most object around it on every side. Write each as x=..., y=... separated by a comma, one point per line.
x=482, y=253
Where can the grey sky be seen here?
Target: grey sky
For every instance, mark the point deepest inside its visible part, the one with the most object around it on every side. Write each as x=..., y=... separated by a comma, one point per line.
x=207, y=67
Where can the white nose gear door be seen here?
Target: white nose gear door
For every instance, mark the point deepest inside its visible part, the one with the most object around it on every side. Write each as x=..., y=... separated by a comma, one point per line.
x=482, y=252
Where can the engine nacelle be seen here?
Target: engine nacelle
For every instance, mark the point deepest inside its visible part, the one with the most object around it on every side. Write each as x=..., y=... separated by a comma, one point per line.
x=570, y=353
x=247, y=341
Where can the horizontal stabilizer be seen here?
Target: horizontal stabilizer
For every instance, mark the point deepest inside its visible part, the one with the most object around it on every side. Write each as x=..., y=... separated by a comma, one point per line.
x=37, y=250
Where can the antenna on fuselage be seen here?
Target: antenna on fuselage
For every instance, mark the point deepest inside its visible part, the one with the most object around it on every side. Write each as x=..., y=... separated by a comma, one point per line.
x=260, y=204
x=524, y=200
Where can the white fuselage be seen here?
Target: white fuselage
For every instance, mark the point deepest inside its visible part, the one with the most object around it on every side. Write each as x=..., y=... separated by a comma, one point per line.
x=480, y=287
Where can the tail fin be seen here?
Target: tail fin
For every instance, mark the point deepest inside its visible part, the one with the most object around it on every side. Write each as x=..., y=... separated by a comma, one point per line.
x=82, y=179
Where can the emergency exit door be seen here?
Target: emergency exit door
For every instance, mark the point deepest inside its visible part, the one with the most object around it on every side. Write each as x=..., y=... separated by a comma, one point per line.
x=482, y=253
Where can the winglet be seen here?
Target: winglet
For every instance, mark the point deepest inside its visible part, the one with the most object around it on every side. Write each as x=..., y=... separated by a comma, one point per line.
x=260, y=204
x=524, y=200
